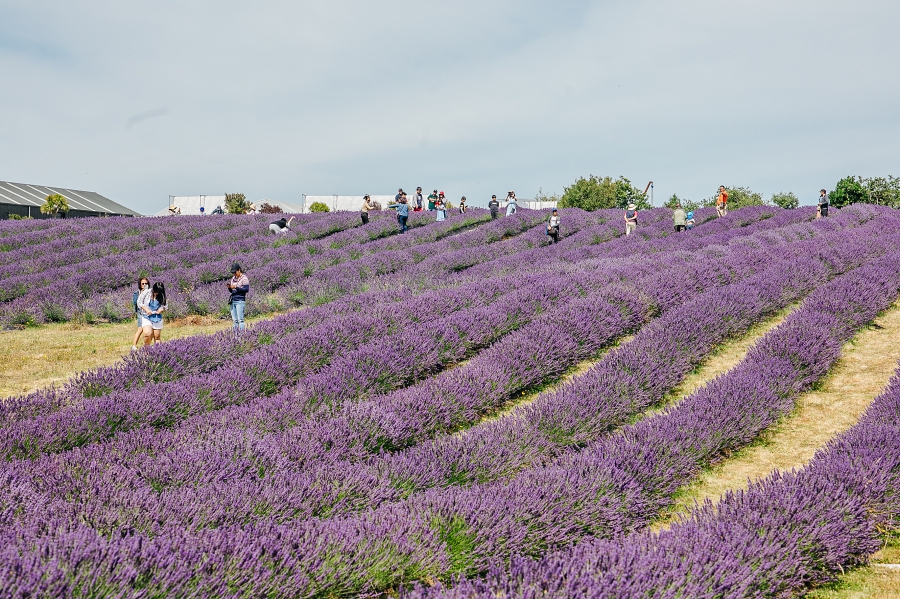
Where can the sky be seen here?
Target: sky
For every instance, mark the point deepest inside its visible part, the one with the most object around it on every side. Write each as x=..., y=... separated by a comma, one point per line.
x=140, y=100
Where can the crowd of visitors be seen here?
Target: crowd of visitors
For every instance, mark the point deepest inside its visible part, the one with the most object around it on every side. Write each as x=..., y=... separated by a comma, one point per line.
x=150, y=301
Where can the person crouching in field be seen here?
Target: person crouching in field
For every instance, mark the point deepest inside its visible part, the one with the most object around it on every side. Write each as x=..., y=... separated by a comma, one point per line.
x=281, y=226
x=140, y=298
x=239, y=285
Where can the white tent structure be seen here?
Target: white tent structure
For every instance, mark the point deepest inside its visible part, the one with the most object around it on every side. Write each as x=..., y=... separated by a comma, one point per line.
x=192, y=204
x=348, y=203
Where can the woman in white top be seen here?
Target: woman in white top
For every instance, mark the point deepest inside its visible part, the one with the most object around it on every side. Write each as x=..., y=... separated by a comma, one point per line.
x=511, y=201
x=553, y=227
x=141, y=298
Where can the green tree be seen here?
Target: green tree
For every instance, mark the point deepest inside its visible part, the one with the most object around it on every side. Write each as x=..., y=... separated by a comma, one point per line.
x=236, y=203
x=884, y=191
x=319, y=207
x=849, y=190
x=786, y=200
x=54, y=204
x=738, y=197
x=595, y=193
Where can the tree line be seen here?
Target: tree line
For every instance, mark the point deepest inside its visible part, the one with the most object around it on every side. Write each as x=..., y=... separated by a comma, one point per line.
x=595, y=193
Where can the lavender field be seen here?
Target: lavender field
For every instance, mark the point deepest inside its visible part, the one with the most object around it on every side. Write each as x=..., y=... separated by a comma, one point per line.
x=373, y=438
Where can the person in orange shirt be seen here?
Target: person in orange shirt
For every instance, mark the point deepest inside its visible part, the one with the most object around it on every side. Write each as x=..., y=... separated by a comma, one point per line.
x=722, y=201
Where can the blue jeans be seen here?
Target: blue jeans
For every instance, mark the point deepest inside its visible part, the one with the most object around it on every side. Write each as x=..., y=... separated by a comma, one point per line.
x=402, y=220
x=237, y=314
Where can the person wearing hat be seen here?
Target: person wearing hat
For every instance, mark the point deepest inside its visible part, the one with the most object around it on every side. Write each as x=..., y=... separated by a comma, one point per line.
x=239, y=285
x=399, y=194
x=494, y=206
x=689, y=221
x=432, y=199
x=631, y=216
x=462, y=204
x=553, y=227
x=511, y=205
x=364, y=211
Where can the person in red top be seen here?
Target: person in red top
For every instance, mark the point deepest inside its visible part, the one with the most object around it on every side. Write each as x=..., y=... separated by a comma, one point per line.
x=722, y=201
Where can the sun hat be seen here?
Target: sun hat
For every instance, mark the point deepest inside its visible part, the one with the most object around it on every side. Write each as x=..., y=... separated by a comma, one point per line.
x=631, y=206
x=690, y=214
x=440, y=194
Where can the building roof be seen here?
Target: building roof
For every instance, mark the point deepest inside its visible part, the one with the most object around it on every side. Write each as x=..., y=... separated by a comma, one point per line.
x=24, y=194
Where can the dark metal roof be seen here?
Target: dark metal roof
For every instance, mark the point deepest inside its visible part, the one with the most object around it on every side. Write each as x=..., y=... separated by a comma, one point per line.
x=34, y=195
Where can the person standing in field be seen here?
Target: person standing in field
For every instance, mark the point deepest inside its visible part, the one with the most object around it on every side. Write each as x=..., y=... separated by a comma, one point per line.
x=239, y=286
x=631, y=216
x=823, y=203
x=418, y=199
x=440, y=208
x=494, y=206
x=679, y=218
x=432, y=200
x=402, y=207
x=364, y=211
x=690, y=222
x=157, y=306
x=281, y=226
x=722, y=201
x=462, y=204
x=511, y=203
x=140, y=298
x=553, y=227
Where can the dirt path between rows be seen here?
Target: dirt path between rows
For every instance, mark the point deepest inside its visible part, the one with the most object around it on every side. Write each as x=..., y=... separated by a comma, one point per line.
x=866, y=365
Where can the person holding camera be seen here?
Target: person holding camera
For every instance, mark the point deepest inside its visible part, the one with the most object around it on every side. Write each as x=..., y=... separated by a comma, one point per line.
x=239, y=286
x=511, y=203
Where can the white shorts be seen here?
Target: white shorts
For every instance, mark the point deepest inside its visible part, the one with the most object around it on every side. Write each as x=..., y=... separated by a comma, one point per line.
x=145, y=322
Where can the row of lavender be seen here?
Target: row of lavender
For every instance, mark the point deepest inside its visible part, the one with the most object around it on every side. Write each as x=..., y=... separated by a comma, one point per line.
x=263, y=348
x=202, y=354
x=774, y=539
x=286, y=268
x=195, y=242
x=226, y=480
x=200, y=259
x=365, y=526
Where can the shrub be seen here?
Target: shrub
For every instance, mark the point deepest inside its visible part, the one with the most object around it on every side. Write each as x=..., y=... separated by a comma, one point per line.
x=268, y=208
x=595, y=193
x=18, y=217
x=319, y=207
x=848, y=190
x=786, y=200
x=55, y=204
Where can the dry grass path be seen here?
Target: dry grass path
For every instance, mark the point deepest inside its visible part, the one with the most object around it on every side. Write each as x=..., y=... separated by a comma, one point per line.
x=38, y=357
x=863, y=370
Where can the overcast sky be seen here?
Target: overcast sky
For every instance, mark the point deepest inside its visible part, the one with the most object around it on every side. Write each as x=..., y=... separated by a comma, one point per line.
x=139, y=100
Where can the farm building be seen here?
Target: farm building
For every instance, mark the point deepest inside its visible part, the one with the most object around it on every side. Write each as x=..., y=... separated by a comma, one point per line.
x=23, y=199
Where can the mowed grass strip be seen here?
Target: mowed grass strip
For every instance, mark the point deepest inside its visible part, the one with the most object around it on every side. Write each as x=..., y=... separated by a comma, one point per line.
x=37, y=357
x=860, y=374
